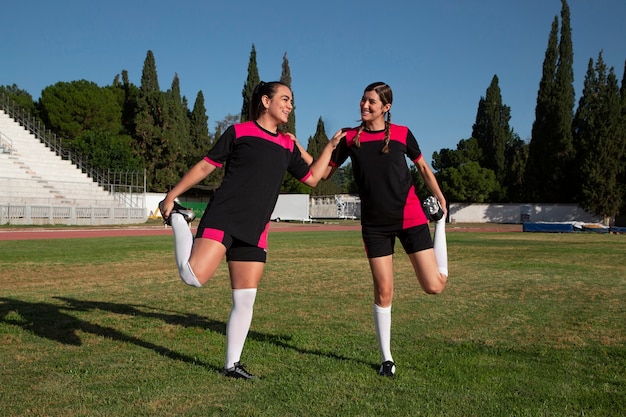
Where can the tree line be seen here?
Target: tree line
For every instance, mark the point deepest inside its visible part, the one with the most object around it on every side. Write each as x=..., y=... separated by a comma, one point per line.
x=573, y=156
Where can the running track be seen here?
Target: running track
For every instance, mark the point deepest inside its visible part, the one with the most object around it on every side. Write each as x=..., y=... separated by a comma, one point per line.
x=29, y=234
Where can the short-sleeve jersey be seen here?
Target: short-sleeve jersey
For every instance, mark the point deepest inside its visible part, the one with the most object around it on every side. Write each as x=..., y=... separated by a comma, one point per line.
x=255, y=162
x=388, y=198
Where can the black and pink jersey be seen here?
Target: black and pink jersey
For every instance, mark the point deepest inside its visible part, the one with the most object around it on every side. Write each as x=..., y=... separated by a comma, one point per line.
x=387, y=193
x=255, y=163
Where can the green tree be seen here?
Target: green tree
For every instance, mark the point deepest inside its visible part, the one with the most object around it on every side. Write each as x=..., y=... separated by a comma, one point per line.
x=290, y=184
x=177, y=148
x=198, y=130
x=107, y=152
x=492, y=130
x=222, y=125
x=461, y=176
x=467, y=150
x=516, y=158
x=129, y=105
x=622, y=138
x=149, y=121
x=285, y=78
x=251, y=82
x=468, y=183
x=71, y=108
x=19, y=97
x=597, y=132
x=551, y=152
x=314, y=148
x=502, y=150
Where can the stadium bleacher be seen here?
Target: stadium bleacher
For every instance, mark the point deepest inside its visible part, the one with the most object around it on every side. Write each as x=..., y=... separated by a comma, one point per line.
x=33, y=175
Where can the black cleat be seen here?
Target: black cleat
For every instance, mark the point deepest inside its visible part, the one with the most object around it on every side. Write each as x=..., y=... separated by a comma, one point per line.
x=387, y=368
x=187, y=213
x=237, y=372
x=432, y=209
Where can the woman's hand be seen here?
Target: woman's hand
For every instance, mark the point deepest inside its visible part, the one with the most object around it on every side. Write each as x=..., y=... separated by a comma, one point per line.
x=337, y=137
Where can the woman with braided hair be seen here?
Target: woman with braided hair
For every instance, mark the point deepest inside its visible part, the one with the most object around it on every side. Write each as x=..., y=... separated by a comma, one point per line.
x=390, y=208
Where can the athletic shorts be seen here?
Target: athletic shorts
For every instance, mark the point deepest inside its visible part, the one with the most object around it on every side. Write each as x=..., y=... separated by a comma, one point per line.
x=379, y=242
x=236, y=250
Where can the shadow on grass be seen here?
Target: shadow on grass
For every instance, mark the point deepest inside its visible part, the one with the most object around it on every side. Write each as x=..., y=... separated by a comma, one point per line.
x=56, y=322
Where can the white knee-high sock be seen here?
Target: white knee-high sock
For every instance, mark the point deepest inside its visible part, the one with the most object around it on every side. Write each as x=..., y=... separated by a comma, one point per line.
x=183, y=242
x=440, y=246
x=239, y=324
x=382, y=323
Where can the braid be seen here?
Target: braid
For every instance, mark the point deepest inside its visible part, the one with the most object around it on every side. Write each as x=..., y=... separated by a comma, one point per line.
x=357, y=141
x=387, y=133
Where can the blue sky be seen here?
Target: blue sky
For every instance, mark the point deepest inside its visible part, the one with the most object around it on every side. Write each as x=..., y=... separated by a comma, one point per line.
x=439, y=57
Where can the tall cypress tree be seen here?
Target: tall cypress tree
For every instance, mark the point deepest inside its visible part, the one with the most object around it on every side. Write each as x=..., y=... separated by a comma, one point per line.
x=551, y=152
x=130, y=103
x=501, y=149
x=176, y=140
x=285, y=78
x=537, y=167
x=318, y=141
x=563, y=152
x=622, y=139
x=169, y=149
x=290, y=184
x=148, y=121
x=597, y=128
x=198, y=129
x=315, y=147
x=251, y=82
x=492, y=130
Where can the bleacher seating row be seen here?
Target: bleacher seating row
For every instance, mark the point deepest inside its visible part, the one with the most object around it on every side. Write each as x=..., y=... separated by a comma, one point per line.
x=33, y=175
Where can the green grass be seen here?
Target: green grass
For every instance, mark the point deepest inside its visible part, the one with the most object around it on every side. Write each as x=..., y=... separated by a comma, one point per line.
x=530, y=325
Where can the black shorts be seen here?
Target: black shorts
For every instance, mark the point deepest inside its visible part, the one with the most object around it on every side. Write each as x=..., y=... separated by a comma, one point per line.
x=379, y=242
x=236, y=249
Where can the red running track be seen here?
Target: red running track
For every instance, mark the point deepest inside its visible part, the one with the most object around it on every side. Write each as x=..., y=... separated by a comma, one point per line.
x=29, y=234
x=44, y=233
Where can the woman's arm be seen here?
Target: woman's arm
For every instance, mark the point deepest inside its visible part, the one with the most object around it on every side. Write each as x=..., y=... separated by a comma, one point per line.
x=196, y=174
x=431, y=182
x=305, y=155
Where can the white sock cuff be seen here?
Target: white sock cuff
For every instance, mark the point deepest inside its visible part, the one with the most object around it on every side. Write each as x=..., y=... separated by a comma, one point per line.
x=244, y=297
x=244, y=291
x=382, y=310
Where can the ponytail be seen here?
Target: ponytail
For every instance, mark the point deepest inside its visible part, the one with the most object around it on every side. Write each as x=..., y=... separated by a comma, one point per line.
x=256, y=108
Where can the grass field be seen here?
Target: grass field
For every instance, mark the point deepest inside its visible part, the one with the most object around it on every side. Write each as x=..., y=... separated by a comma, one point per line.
x=530, y=325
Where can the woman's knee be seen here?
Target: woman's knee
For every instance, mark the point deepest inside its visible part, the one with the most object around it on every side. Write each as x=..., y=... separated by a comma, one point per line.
x=383, y=296
x=434, y=287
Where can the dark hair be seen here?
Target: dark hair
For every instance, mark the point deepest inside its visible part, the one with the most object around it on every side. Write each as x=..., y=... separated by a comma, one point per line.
x=386, y=97
x=262, y=89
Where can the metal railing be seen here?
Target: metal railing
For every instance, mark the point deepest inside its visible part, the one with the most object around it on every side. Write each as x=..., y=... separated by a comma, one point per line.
x=6, y=144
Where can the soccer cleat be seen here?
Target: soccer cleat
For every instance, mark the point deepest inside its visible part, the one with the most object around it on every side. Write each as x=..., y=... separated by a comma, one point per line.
x=237, y=372
x=387, y=368
x=432, y=209
x=187, y=213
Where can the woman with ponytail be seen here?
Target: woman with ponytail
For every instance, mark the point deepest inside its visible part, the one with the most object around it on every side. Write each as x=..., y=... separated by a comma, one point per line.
x=390, y=208
x=255, y=156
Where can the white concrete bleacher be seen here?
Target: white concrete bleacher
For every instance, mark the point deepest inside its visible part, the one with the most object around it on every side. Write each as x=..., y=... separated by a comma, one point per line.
x=39, y=187
x=30, y=173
